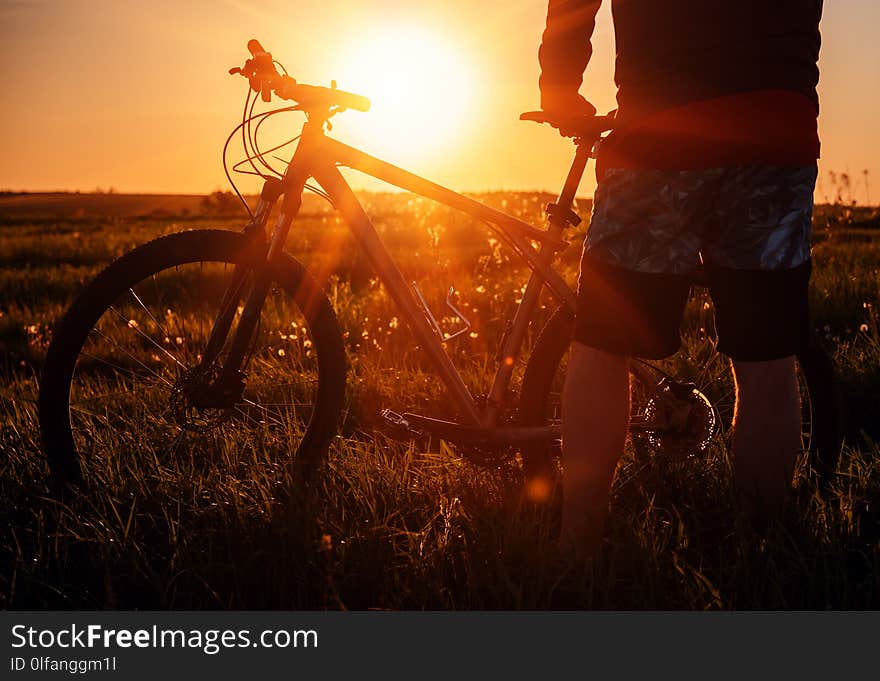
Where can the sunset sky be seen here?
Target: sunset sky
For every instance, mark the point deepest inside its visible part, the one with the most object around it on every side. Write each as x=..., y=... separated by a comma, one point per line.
x=136, y=96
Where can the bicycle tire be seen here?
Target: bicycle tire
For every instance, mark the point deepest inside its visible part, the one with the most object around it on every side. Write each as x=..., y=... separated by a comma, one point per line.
x=161, y=255
x=826, y=435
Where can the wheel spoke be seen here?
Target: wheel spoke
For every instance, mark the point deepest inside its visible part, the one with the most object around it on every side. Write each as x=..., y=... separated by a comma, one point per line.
x=116, y=366
x=149, y=314
x=149, y=338
x=249, y=417
x=266, y=413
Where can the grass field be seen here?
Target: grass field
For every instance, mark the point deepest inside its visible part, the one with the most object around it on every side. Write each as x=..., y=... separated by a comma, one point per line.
x=394, y=524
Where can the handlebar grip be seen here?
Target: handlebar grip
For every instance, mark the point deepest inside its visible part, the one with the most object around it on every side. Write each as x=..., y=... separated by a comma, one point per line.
x=536, y=116
x=349, y=100
x=573, y=126
x=254, y=47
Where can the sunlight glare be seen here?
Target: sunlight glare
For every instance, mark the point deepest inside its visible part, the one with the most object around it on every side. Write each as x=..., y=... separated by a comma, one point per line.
x=420, y=88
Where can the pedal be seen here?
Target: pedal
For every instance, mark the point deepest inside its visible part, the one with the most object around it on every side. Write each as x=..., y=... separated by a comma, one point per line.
x=399, y=423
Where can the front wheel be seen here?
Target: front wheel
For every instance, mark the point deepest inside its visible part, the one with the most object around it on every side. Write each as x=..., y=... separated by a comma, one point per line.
x=696, y=387
x=124, y=394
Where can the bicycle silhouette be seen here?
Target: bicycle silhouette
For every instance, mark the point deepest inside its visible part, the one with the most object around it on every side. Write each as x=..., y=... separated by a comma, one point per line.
x=170, y=334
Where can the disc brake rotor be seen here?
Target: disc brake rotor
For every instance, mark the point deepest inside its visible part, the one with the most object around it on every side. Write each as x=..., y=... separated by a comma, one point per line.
x=197, y=404
x=679, y=421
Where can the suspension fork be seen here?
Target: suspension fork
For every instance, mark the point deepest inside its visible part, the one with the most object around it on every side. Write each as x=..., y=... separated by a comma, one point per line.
x=292, y=188
x=255, y=233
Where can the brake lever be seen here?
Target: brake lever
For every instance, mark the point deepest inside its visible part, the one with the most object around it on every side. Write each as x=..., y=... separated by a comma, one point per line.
x=247, y=70
x=266, y=80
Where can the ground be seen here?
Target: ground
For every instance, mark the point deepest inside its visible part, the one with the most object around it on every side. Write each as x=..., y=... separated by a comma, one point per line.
x=391, y=524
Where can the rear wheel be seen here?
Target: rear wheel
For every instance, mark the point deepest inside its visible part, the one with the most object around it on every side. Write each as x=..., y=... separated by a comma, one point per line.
x=679, y=405
x=124, y=392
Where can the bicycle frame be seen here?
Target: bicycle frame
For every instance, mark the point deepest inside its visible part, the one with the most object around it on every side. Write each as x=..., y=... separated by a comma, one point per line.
x=317, y=156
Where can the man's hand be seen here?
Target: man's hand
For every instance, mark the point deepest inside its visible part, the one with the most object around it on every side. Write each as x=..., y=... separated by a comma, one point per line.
x=565, y=103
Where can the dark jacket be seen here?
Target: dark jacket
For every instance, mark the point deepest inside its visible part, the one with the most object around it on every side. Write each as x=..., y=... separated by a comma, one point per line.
x=670, y=52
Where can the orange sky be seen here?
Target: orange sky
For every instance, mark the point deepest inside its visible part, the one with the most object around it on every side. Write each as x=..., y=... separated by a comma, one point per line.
x=135, y=95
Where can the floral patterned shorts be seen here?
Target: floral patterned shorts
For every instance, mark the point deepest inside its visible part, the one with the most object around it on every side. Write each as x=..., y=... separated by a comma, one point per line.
x=746, y=227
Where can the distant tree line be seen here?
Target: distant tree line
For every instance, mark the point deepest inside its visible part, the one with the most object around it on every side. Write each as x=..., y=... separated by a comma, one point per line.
x=221, y=203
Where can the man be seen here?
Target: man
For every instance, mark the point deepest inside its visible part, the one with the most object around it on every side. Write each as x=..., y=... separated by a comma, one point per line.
x=713, y=160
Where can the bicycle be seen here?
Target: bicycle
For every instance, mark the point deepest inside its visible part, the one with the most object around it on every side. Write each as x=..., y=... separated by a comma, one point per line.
x=179, y=317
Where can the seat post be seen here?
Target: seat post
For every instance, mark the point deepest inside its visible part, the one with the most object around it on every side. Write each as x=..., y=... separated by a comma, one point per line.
x=561, y=214
x=581, y=157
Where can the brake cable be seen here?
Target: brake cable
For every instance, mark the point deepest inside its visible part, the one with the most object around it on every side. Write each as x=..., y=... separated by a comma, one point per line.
x=255, y=144
x=246, y=160
x=253, y=152
x=252, y=138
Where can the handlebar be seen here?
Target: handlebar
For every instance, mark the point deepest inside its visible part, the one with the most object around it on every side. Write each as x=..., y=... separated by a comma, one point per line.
x=316, y=97
x=579, y=126
x=264, y=78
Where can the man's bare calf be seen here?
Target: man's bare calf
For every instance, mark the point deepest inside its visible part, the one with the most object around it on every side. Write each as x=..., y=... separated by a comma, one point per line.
x=766, y=433
x=595, y=421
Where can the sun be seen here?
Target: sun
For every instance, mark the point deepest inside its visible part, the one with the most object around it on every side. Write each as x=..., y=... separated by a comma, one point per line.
x=420, y=88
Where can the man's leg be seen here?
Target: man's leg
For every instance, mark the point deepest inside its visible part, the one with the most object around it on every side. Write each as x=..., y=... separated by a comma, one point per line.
x=632, y=291
x=758, y=267
x=595, y=420
x=766, y=432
